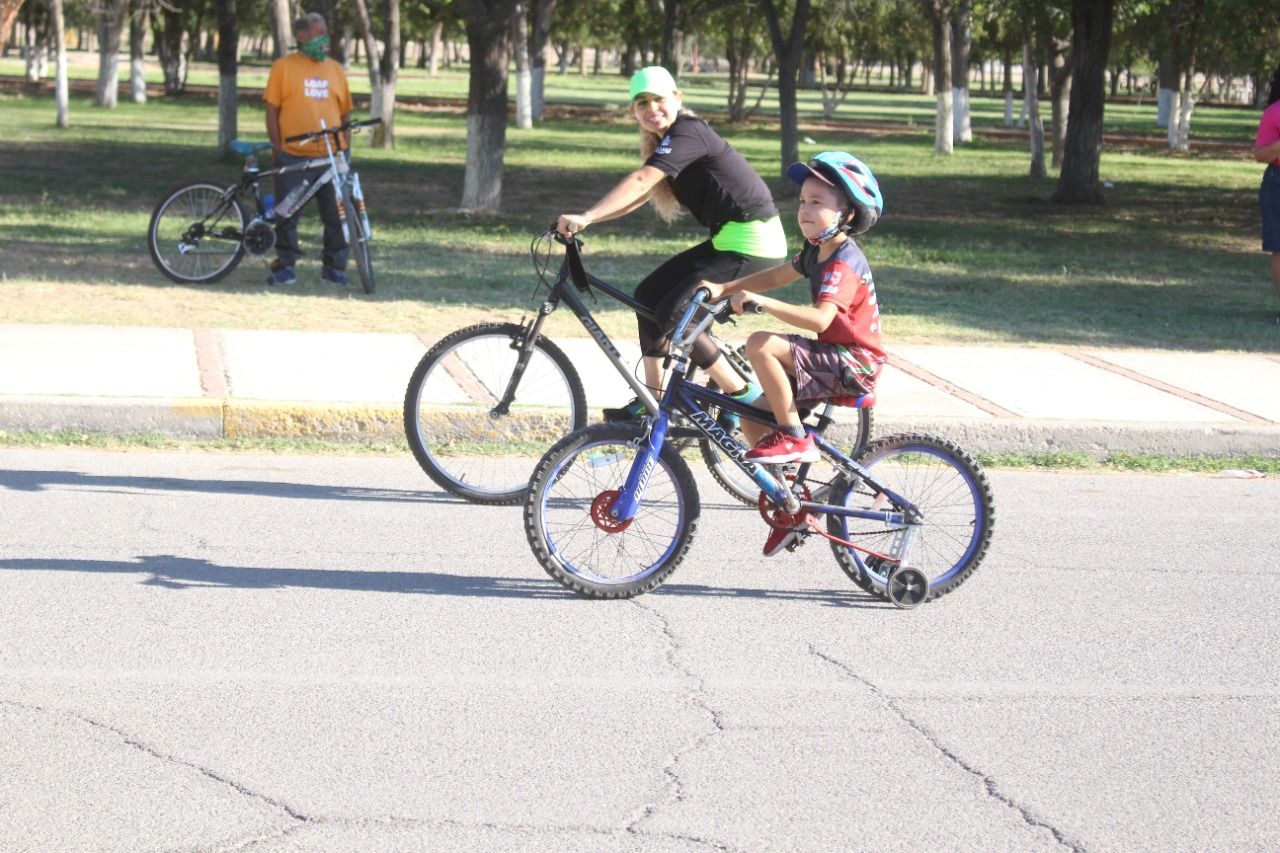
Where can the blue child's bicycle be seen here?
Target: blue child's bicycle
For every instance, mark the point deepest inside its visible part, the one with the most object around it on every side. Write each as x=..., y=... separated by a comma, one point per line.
x=612, y=508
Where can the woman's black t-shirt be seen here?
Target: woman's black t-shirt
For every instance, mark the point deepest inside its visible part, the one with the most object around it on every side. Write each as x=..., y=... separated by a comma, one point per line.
x=709, y=177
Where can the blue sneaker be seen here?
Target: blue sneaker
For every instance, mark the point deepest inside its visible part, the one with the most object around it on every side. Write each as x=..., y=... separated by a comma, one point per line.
x=632, y=411
x=338, y=277
x=750, y=394
x=281, y=275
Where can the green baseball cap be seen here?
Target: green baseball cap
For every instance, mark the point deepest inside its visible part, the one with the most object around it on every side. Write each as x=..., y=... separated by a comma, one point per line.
x=654, y=80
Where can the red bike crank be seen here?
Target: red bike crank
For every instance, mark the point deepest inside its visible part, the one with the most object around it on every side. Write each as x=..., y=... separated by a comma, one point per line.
x=776, y=516
x=600, y=513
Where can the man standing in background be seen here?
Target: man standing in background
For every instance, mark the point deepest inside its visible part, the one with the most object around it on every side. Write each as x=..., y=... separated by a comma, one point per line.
x=305, y=88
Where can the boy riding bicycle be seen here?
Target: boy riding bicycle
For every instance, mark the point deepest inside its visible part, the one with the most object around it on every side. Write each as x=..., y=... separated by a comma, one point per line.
x=839, y=196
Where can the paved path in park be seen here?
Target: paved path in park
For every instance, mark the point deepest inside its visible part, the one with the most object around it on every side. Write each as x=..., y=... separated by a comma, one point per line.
x=235, y=382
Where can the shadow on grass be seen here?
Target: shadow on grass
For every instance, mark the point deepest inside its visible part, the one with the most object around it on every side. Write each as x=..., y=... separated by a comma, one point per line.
x=1159, y=265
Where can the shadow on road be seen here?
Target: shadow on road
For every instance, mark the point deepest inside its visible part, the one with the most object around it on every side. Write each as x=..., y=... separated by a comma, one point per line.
x=171, y=572
x=37, y=481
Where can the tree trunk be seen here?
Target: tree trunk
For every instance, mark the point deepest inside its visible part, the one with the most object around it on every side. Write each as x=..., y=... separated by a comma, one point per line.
x=228, y=41
x=1184, y=40
x=1091, y=24
x=60, y=73
x=1031, y=92
x=787, y=51
x=437, y=46
x=961, y=41
x=1006, y=59
x=672, y=10
x=1059, y=93
x=280, y=27
x=36, y=42
x=1167, y=77
x=110, y=16
x=524, y=83
x=8, y=14
x=539, y=32
x=169, y=35
x=488, y=23
x=384, y=135
x=371, y=48
x=939, y=14
x=137, y=55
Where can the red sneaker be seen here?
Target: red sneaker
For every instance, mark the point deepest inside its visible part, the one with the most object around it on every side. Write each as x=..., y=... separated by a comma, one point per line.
x=779, y=539
x=782, y=447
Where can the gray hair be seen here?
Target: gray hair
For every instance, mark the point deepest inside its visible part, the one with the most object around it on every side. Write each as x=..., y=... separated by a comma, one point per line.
x=303, y=25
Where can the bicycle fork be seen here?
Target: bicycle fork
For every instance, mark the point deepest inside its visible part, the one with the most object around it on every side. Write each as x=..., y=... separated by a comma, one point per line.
x=524, y=346
x=627, y=502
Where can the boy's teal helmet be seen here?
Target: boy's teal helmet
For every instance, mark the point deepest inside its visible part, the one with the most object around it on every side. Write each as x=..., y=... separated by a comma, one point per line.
x=845, y=172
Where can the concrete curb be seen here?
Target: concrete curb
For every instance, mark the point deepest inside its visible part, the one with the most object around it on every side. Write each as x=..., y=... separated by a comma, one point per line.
x=1097, y=438
x=197, y=418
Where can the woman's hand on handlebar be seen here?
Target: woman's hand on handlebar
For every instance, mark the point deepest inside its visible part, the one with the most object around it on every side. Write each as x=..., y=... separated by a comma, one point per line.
x=714, y=291
x=571, y=223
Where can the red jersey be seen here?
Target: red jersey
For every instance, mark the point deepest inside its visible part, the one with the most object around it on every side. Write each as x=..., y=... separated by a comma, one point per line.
x=845, y=279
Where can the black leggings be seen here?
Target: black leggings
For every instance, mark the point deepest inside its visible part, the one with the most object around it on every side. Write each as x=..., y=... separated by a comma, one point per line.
x=667, y=290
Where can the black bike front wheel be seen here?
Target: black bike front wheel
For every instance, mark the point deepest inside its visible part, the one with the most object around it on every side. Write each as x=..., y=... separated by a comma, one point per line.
x=196, y=233
x=952, y=494
x=465, y=432
x=360, y=249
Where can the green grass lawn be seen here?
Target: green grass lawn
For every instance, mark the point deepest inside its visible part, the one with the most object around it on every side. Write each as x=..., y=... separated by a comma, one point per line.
x=969, y=249
x=709, y=92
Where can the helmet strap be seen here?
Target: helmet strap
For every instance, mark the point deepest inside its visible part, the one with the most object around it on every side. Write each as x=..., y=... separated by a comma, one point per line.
x=836, y=226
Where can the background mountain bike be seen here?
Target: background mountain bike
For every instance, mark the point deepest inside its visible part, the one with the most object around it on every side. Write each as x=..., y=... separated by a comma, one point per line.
x=487, y=400
x=613, y=508
x=201, y=231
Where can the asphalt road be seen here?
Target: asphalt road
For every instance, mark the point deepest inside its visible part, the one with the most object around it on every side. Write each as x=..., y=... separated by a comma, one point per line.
x=278, y=653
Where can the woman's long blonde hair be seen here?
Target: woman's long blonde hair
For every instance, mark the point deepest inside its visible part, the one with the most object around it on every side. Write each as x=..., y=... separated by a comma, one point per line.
x=662, y=196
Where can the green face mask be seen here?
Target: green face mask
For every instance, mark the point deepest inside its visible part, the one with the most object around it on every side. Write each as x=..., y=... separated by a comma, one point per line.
x=316, y=48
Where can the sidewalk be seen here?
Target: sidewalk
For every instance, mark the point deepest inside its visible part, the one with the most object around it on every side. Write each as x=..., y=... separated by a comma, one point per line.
x=204, y=383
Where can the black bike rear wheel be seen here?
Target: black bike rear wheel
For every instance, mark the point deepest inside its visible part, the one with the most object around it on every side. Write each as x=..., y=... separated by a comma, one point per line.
x=196, y=233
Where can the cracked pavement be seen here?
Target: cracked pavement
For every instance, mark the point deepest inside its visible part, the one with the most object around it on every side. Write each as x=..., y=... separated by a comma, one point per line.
x=207, y=652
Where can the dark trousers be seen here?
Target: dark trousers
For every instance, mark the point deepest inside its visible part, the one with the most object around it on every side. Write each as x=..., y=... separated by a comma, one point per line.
x=335, y=245
x=668, y=289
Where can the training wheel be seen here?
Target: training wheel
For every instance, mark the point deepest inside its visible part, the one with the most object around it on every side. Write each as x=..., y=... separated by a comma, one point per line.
x=907, y=587
x=600, y=513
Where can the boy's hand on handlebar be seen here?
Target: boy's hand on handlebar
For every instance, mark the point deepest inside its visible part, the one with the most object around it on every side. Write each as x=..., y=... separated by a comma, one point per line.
x=714, y=291
x=571, y=223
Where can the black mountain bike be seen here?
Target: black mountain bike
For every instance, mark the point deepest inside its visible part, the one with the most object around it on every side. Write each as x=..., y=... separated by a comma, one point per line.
x=487, y=400
x=201, y=231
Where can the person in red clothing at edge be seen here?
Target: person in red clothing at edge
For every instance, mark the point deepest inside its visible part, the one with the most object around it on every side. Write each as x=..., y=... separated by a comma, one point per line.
x=687, y=164
x=839, y=196
x=303, y=89
x=1267, y=150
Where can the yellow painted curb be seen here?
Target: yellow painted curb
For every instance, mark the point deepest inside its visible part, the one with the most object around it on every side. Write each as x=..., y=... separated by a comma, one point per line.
x=264, y=419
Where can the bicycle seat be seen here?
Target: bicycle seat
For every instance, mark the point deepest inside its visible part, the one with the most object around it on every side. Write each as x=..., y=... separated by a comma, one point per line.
x=861, y=401
x=248, y=149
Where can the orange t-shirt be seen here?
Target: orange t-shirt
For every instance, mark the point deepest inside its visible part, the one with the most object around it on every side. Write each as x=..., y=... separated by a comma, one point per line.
x=306, y=91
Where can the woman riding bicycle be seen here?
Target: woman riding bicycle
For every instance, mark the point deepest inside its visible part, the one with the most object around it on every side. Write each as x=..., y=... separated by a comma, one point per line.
x=686, y=164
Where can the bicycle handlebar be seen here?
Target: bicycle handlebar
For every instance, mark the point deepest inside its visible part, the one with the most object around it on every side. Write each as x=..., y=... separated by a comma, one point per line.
x=342, y=128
